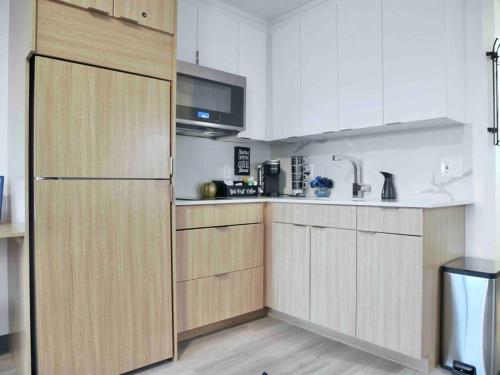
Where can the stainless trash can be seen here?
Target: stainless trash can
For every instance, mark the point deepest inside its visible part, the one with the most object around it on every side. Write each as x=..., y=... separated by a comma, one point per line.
x=470, y=337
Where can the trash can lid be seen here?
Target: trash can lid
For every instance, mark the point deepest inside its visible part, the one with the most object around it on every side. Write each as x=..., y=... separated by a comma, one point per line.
x=484, y=268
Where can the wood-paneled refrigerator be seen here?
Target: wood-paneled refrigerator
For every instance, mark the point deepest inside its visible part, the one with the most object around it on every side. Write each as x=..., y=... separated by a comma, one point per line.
x=101, y=200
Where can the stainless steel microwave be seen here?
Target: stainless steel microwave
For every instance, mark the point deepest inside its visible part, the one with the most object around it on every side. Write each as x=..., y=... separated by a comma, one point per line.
x=210, y=103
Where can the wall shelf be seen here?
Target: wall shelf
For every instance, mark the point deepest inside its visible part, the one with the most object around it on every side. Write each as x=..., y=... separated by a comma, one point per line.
x=11, y=231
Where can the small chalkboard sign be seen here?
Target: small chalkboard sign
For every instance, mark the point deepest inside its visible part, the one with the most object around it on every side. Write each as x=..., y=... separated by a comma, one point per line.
x=241, y=161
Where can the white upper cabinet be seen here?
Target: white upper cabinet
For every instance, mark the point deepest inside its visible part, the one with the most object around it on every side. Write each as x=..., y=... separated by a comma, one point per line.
x=318, y=51
x=361, y=98
x=232, y=44
x=187, y=31
x=218, y=40
x=252, y=64
x=342, y=64
x=414, y=48
x=286, y=79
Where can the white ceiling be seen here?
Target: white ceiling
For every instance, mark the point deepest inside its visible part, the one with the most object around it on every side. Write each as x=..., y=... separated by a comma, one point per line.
x=266, y=9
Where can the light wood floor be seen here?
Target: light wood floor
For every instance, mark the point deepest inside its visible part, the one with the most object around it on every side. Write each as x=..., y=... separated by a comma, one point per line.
x=276, y=348
x=271, y=346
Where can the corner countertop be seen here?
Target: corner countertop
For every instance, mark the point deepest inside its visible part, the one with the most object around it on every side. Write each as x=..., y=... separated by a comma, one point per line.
x=404, y=203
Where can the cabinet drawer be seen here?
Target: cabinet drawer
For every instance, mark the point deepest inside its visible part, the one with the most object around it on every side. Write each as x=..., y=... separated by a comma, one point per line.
x=212, y=251
x=391, y=220
x=218, y=215
x=213, y=299
x=315, y=215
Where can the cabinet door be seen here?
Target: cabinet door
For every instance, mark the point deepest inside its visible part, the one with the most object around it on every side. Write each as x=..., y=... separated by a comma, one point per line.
x=218, y=40
x=414, y=39
x=288, y=270
x=74, y=34
x=361, y=97
x=103, y=278
x=100, y=6
x=318, y=53
x=187, y=31
x=252, y=63
x=286, y=79
x=156, y=14
x=333, y=279
x=389, y=298
x=92, y=122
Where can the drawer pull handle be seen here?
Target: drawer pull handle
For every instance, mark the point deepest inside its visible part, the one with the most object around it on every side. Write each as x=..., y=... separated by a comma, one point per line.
x=144, y=14
x=97, y=10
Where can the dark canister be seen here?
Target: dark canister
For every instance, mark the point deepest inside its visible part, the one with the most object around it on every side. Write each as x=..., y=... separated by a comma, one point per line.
x=388, y=190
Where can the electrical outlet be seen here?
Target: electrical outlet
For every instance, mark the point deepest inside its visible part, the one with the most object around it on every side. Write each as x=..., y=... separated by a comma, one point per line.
x=451, y=167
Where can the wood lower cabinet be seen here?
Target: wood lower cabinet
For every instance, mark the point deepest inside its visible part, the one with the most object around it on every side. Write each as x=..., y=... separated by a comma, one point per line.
x=93, y=122
x=219, y=264
x=365, y=275
x=288, y=270
x=101, y=6
x=333, y=279
x=216, y=298
x=156, y=14
x=390, y=290
x=103, y=276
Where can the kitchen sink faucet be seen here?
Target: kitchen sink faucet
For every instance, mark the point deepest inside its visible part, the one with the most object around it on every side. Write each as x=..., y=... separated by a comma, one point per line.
x=358, y=188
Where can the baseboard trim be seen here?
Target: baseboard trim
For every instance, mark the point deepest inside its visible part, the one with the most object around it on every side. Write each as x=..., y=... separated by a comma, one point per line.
x=416, y=364
x=4, y=344
x=214, y=327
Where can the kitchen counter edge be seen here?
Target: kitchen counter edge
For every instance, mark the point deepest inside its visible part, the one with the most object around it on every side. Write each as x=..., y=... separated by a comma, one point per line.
x=337, y=202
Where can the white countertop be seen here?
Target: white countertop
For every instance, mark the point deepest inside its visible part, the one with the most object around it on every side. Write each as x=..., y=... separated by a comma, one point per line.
x=404, y=203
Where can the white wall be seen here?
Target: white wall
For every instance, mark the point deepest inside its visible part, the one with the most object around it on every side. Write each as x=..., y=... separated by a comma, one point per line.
x=481, y=217
x=20, y=46
x=497, y=34
x=4, y=62
x=200, y=160
x=414, y=157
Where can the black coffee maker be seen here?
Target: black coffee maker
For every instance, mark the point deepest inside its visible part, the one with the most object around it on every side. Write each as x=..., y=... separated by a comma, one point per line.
x=269, y=178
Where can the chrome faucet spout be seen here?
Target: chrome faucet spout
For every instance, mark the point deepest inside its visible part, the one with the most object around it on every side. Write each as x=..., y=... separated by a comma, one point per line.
x=356, y=165
x=358, y=188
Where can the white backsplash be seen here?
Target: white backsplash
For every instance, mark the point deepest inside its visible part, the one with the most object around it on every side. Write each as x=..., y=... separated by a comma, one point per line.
x=414, y=157
x=200, y=160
